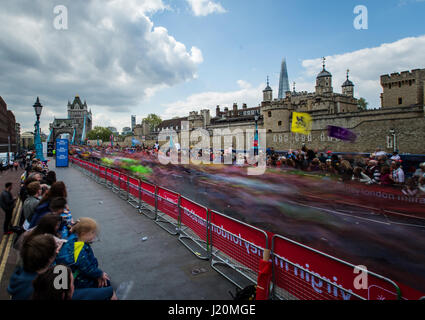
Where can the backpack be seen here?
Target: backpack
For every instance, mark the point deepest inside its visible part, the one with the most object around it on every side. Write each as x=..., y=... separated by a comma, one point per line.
x=246, y=294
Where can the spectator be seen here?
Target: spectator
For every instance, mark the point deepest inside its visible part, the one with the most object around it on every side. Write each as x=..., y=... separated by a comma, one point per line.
x=37, y=255
x=58, y=206
x=386, y=176
x=44, y=288
x=58, y=190
x=345, y=170
x=395, y=156
x=420, y=173
x=373, y=172
x=31, y=202
x=78, y=254
x=397, y=175
x=7, y=203
x=49, y=224
x=411, y=188
x=50, y=178
x=322, y=158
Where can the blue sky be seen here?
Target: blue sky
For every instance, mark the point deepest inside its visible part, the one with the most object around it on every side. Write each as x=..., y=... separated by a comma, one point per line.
x=170, y=57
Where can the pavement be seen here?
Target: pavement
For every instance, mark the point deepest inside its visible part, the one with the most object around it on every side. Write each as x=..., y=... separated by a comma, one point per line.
x=143, y=261
x=8, y=255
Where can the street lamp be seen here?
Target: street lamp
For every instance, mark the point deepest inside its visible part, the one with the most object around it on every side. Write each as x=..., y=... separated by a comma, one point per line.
x=37, y=139
x=256, y=134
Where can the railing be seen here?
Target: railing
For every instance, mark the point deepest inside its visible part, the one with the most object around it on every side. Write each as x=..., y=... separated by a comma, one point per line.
x=236, y=248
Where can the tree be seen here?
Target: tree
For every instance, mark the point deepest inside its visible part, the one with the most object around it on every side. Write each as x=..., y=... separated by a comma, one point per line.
x=153, y=120
x=362, y=104
x=99, y=133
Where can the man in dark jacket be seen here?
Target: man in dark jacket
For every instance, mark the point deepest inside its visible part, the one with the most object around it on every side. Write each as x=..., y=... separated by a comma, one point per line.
x=7, y=203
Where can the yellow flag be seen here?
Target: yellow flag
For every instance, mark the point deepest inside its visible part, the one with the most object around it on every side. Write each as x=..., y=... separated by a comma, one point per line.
x=301, y=123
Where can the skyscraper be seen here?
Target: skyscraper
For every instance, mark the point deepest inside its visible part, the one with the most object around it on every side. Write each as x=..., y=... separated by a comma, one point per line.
x=283, y=80
x=133, y=122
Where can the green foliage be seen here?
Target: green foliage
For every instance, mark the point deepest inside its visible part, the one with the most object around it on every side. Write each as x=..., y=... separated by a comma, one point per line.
x=99, y=133
x=153, y=120
x=362, y=104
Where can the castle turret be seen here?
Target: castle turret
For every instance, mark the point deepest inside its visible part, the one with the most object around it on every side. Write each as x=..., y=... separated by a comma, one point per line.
x=324, y=81
x=267, y=93
x=348, y=87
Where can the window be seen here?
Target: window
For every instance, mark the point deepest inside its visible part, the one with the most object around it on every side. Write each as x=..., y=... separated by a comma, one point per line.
x=400, y=100
x=279, y=123
x=389, y=86
x=389, y=142
x=269, y=131
x=275, y=138
x=410, y=82
x=280, y=138
x=270, y=114
x=399, y=84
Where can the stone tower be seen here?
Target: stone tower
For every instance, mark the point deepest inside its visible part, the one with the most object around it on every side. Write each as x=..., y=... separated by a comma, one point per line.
x=348, y=87
x=324, y=81
x=77, y=112
x=268, y=92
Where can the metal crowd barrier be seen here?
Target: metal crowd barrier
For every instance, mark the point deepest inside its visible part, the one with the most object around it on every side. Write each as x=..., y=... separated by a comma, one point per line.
x=167, y=210
x=236, y=248
x=148, y=200
x=194, y=228
x=306, y=275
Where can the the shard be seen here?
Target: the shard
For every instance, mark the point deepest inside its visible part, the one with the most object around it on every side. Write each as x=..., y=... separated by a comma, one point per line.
x=283, y=80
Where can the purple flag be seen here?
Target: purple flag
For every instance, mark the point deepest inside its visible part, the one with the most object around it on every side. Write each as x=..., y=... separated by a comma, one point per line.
x=341, y=133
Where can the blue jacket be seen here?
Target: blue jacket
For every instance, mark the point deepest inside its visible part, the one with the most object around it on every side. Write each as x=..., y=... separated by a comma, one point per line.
x=20, y=288
x=80, y=258
x=20, y=285
x=39, y=212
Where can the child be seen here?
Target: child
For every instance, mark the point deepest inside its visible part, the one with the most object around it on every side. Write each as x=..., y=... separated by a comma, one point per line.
x=78, y=255
x=59, y=207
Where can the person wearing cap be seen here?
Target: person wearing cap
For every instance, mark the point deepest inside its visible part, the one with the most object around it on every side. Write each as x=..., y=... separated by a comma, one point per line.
x=395, y=156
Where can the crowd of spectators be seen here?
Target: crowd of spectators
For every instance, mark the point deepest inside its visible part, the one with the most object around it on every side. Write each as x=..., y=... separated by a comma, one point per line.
x=378, y=168
x=56, y=260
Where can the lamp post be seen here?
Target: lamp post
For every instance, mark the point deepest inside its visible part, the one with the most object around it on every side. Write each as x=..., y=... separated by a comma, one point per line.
x=256, y=135
x=37, y=139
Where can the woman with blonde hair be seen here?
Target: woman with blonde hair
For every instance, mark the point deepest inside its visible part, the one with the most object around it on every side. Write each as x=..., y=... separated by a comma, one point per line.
x=78, y=255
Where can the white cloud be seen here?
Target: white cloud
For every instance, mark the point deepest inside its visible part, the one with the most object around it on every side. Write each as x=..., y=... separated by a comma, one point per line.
x=205, y=7
x=366, y=66
x=209, y=100
x=112, y=55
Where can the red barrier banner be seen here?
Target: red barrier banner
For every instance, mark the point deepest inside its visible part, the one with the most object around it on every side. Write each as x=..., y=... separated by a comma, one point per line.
x=102, y=172
x=133, y=186
x=123, y=181
x=308, y=274
x=194, y=216
x=168, y=202
x=383, y=197
x=109, y=174
x=116, y=178
x=241, y=242
x=148, y=193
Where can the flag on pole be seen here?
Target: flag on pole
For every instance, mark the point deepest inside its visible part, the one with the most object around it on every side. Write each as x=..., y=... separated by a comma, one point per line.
x=301, y=123
x=73, y=137
x=341, y=133
x=171, y=142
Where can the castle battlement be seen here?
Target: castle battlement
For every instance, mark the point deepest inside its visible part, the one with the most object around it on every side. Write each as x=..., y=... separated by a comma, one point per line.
x=404, y=75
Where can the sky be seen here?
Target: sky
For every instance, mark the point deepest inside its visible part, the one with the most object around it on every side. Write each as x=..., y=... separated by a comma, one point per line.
x=170, y=57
